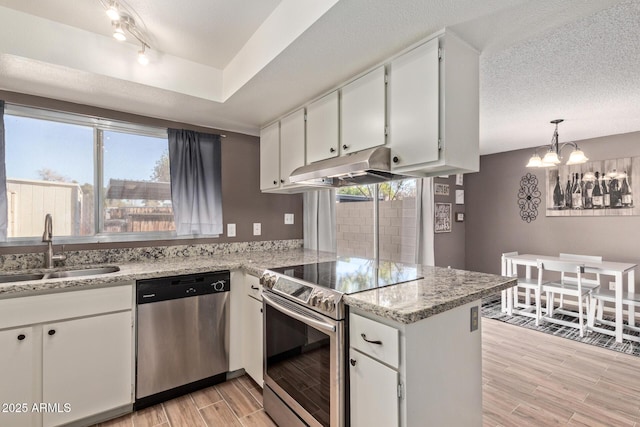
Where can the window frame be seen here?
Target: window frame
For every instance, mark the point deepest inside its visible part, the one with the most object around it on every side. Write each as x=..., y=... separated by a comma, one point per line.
x=99, y=126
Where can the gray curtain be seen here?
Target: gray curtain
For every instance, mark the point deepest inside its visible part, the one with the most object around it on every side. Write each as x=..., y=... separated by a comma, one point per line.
x=319, y=222
x=3, y=180
x=424, y=218
x=196, y=182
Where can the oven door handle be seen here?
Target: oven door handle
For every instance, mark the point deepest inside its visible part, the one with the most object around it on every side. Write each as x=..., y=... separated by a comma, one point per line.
x=304, y=319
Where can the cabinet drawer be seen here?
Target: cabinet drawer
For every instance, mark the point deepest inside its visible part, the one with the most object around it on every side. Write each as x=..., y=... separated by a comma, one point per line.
x=254, y=288
x=30, y=310
x=374, y=339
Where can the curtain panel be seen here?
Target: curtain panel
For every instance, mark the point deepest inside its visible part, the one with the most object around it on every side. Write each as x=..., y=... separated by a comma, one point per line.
x=196, y=182
x=424, y=222
x=3, y=180
x=319, y=212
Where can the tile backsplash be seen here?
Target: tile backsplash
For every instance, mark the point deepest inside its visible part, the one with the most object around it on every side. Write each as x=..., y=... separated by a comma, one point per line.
x=121, y=255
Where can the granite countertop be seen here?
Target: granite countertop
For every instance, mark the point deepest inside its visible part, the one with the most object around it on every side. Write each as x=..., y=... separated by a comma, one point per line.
x=440, y=290
x=254, y=263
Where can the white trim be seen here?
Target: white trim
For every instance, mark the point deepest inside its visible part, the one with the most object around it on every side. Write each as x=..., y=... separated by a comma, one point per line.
x=83, y=120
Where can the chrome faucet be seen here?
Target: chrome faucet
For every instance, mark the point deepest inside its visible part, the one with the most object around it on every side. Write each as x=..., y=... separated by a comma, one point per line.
x=47, y=237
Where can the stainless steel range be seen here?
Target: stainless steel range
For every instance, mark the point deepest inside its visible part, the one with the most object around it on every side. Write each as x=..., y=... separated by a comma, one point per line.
x=304, y=346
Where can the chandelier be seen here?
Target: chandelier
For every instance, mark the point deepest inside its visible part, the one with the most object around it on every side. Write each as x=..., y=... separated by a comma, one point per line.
x=552, y=156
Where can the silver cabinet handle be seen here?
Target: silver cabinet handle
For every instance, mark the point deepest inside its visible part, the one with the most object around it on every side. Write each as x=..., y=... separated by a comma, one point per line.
x=377, y=342
x=301, y=317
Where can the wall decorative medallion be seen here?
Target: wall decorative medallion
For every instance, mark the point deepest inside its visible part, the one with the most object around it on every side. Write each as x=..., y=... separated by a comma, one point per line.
x=529, y=197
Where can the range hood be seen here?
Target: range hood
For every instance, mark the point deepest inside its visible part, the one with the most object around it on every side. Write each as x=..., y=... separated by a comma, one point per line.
x=364, y=167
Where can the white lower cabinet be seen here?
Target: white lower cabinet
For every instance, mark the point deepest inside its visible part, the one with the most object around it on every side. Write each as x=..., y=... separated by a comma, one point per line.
x=426, y=373
x=72, y=361
x=253, y=329
x=253, y=335
x=373, y=392
x=86, y=366
x=17, y=352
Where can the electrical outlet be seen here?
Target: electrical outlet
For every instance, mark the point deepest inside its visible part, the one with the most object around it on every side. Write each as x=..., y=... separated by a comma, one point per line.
x=474, y=318
x=288, y=219
x=612, y=286
x=257, y=228
x=231, y=230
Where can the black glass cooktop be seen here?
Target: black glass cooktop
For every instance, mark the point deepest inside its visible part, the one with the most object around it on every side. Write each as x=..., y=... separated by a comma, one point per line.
x=351, y=275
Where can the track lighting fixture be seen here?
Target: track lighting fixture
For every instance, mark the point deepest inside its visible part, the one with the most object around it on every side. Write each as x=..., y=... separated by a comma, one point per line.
x=118, y=32
x=113, y=11
x=124, y=25
x=143, y=59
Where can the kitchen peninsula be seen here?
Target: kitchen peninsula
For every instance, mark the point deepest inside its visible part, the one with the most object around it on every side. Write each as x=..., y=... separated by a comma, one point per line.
x=438, y=347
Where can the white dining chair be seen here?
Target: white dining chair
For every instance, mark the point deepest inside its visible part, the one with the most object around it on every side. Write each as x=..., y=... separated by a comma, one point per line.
x=571, y=288
x=596, y=308
x=591, y=282
x=511, y=303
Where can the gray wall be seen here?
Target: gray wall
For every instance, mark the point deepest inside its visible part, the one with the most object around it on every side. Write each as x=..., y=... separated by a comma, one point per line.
x=493, y=223
x=450, y=247
x=243, y=203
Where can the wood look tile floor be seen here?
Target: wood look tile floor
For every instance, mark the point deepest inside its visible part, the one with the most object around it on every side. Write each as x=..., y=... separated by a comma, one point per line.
x=528, y=378
x=235, y=403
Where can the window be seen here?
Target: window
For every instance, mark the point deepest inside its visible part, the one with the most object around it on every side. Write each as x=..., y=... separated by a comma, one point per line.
x=56, y=161
x=396, y=205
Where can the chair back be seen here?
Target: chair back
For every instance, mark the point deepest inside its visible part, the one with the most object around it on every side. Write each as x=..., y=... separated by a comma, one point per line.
x=594, y=279
x=506, y=269
x=573, y=267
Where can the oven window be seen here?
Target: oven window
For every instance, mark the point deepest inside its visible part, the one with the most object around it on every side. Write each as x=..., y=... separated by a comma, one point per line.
x=298, y=361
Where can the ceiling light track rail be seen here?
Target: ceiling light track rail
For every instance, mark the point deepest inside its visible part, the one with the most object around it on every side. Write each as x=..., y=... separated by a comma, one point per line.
x=125, y=22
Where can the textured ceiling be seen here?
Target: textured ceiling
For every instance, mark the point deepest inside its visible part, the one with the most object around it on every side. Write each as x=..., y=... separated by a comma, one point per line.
x=540, y=60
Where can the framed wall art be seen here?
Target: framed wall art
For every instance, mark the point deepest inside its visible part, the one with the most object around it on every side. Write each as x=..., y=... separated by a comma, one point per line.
x=441, y=189
x=597, y=188
x=442, y=223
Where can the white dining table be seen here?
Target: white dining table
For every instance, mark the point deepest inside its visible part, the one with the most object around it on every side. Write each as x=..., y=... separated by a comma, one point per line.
x=616, y=269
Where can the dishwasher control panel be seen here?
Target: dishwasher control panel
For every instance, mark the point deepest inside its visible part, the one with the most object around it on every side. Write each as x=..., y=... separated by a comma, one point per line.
x=184, y=286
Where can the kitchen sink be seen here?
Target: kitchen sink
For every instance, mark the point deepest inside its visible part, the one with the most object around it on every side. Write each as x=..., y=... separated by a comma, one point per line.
x=81, y=272
x=9, y=278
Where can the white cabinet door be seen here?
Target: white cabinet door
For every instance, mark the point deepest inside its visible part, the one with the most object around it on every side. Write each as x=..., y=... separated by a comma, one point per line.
x=270, y=157
x=237, y=321
x=253, y=336
x=87, y=364
x=17, y=377
x=291, y=145
x=373, y=392
x=362, y=112
x=414, y=106
x=323, y=133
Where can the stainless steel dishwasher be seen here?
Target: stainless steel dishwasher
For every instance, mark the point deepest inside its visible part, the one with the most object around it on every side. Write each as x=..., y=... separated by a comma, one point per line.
x=182, y=335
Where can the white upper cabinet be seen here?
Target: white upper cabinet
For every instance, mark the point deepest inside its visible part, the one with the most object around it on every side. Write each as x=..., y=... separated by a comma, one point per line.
x=323, y=132
x=291, y=145
x=427, y=114
x=363, y=112
x=434, y=109
x=414, y=121
x=282, y=150
x=270, y=157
